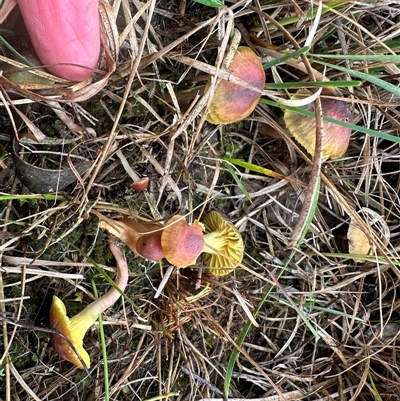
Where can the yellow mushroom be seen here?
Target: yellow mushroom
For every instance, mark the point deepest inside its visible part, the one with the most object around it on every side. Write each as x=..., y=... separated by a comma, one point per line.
x=75, y=328
x=223, y=244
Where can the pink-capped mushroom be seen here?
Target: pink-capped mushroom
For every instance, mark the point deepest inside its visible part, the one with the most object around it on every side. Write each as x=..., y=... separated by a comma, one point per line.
x=232, y=102
x=181, y=242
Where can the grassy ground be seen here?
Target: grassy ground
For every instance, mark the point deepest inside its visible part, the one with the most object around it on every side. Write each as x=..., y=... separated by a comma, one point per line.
x=301, y=322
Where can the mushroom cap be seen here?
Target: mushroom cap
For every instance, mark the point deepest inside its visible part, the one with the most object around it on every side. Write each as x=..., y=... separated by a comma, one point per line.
x=149, y=246
x=223, y=244
x=182, y=242
x=303, y=128
x=140, y=185
x=60, y=321
x=233, y=102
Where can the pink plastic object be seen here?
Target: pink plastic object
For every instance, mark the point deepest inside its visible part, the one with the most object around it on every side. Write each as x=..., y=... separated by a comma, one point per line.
x=65, y=35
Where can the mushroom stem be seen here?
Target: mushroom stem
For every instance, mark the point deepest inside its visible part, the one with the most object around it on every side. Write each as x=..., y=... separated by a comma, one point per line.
x=85, y=319
x=75, y=328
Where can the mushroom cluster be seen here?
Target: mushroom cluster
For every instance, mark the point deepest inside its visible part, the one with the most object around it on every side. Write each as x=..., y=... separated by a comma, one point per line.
x=181, y=243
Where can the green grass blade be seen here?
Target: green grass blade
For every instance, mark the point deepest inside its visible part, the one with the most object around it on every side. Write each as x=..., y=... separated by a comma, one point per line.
x=32, y=196
x=323, y=84
x=249, y=166
x=210, y=3
x=286, y=57
x=376, y=391
x=326, y=8
x=332, y=311
x=103, y=349
x=354, y=127
x=311, y=211
x=243, y=334
x=17, y=54
x=366, y=77
x=237, y=180
x=385, y=58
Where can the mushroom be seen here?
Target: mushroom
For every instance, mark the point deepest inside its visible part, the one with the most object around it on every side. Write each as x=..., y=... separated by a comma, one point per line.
x=130, y=231
x=149, y=246
x=181, y=242
x=65, y=35
x=75, y=328
x=140, y=184
x=303, y=128
x=223, y=244
x=232, y=102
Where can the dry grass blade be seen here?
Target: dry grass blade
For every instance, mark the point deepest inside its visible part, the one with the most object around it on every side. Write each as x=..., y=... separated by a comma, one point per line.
x=290, y=396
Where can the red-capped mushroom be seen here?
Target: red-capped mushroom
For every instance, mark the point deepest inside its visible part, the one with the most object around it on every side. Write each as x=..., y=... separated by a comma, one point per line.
x=232, y=102
x=149, y=246
x=143, y=238
x=181, y=242
x=336, y=137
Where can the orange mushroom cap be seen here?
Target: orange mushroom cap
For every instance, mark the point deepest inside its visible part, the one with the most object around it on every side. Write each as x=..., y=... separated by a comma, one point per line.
x=182, y=242
x=233, y=102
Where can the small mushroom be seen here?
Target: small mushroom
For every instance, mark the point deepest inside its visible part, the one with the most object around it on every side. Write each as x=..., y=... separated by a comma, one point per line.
x=141, y=184
x=223, y=244
x=303, y=128
x=75, y=328
x=149, y=246
x=181, y=242
x=233, y=102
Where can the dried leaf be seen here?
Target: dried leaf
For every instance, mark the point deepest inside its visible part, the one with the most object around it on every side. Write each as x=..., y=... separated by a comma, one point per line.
x=6, y=8
x=359, y=241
